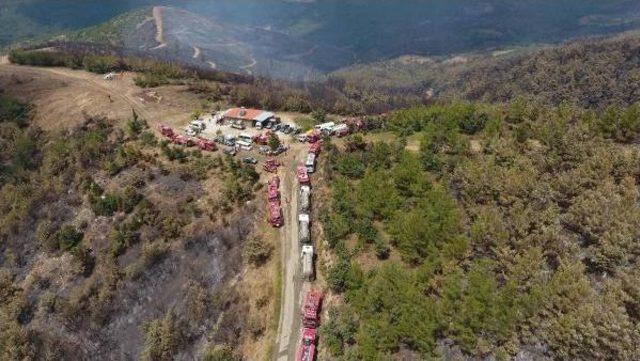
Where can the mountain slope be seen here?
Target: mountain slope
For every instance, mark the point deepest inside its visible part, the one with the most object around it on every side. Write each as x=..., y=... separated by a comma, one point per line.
x=181, y=35
x=591, y=73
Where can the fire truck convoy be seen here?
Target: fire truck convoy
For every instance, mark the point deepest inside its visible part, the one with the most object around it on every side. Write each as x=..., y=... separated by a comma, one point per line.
x=310, y=321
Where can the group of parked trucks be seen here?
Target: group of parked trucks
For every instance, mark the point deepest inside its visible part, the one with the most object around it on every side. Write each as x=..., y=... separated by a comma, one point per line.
x=310, y=322
x=202, y=143
x=304, y=208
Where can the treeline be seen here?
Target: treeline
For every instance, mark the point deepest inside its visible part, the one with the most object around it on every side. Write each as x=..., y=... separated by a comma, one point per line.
x=103, y=59
x=511, y=230
x=331, y=96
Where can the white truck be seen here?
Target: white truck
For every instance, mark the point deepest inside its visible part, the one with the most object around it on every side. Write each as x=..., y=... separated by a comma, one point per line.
x=303, y=228
x=340, y=130
x=305, y=199
x=325, y=127
x=307, y=263
x=310, y=164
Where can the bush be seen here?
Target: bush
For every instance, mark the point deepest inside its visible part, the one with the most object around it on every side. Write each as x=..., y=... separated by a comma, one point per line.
x=163, y=338
x=14, y=111
x=219, y=353
x=256, y=251
x=121, y=240
x=344, y=276
x=105, y=205
x=148, y=80
x=68, y=237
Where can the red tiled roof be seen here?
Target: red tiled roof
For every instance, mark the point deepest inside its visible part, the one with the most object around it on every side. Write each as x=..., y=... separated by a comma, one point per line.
x=245, y=114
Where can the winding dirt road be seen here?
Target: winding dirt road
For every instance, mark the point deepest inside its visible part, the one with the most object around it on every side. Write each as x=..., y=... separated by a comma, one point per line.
x=157, y=15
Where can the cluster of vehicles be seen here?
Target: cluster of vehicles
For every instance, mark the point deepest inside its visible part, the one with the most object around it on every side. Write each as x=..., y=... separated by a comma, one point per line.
x=310, y=323
x=313, y=300
x=327, y=129
x=202, y=143
x=274, y=209
x=304, y=203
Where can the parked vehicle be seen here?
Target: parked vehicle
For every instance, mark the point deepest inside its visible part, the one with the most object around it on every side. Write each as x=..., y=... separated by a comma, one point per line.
x=325, y=127
x=182, y=140
x=230, y=151
x=275, y=217
x=340, y=130
x=250, y=160
x=303, y=229
x=307, y=263
x=302, y=175
x=271, y=165
x=198, y=125
x=305, y=199
x=229, y=140
x=311, y=309
x=238, y=125
x=206, y=144
x=307, y=349
x=273, y=190
x=310, y=163
x=166, y=131
x=315, y=148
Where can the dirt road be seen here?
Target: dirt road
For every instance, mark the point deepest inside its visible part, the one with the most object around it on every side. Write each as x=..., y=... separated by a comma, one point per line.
x=293, y=286
x=157, y=15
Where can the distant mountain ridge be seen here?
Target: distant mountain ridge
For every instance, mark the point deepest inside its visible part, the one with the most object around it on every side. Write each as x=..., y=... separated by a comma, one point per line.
x=300, y=40
x=178, y=34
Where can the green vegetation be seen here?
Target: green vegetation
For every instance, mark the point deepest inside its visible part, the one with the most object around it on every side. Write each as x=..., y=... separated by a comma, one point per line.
x=510, y=226
x=256, y=251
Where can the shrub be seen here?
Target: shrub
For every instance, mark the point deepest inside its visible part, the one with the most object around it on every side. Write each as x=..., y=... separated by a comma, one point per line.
x=148, y=80
x=344, y=276
x=219, y=353
x=68, y=237
x=163, y=338
x=256, y=251
x=105, y=205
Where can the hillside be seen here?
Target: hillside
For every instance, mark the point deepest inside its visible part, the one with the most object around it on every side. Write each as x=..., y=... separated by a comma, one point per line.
x=179, y=35
x=469, y=231
x=299, y=40
x=591, y=73
x=114, y=244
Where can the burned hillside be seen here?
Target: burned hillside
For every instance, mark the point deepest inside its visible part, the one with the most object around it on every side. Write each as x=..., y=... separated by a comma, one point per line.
x=110, y=250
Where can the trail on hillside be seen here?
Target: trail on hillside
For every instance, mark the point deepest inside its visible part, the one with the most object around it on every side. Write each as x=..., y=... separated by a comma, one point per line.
x=157, y=15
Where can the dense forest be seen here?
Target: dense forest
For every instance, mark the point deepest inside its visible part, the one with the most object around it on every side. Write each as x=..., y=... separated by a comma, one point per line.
x=110, y=245
x=510, y=230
